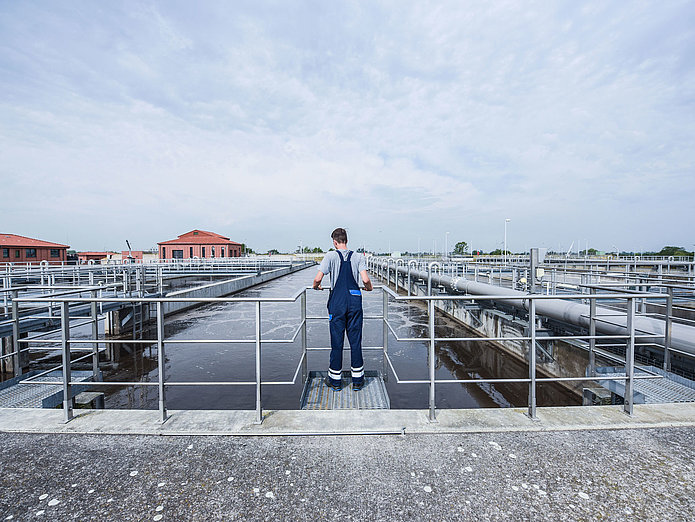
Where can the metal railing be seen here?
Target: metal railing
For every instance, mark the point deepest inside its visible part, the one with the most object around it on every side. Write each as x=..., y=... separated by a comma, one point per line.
x=70, y=346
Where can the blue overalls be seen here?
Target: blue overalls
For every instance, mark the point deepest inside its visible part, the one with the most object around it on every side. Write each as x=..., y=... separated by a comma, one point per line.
x=345, y=313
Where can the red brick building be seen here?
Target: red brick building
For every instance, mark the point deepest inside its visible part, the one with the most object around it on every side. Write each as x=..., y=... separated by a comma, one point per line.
x=97, y=257
x=135, y=255
x=199, y=243
x=20, y=249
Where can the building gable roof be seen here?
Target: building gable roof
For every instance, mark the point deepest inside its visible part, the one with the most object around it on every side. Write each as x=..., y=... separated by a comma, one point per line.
x=14, y=240
x=197, y=236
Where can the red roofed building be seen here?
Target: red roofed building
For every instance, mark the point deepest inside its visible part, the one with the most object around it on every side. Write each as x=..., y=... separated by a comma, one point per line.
x=20, y=249
x=199, y=243
x=85, y=257
x=136, y=256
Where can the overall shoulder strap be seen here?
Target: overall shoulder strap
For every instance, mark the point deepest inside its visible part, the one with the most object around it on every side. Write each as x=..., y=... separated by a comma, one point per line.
x=347, y=260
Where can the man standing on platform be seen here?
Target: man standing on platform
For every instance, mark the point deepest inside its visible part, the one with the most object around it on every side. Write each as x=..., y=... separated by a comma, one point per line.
x=344, y=307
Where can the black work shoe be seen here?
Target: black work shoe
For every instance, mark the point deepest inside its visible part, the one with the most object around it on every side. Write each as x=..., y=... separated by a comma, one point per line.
x=357, y=385
x=328, y=382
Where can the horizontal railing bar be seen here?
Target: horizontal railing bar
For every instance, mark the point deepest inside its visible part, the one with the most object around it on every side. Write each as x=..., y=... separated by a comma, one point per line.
x=83, y=341
x=325, y=318
x=397, y=297
x=400, y=381
x=322, y=348
x=210, y=383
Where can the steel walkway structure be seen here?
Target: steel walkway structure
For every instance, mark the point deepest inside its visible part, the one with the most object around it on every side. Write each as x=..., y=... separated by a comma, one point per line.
x=318, y=396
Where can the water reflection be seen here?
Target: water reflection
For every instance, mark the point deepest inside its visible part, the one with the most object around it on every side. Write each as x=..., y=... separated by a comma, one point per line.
x=226, y=362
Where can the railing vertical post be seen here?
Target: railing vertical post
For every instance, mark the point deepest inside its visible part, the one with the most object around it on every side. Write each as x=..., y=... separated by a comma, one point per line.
x=592, y=333
x=667, y=330
x=532, y=359
x=385, y=331
x=630, y=357
x=17, y=359
x=302, y=302
x=65, y=351
x=432, y=416
x=259, y=407
x=161, y=359
x=95, y=336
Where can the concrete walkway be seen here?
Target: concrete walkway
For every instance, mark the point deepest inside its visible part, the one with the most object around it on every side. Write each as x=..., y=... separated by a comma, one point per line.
x=336, y=422
x=628, y=474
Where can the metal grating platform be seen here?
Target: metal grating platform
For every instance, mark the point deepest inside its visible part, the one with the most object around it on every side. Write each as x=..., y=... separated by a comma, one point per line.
x=15, y=395
x=671, y=388
x=318, y=396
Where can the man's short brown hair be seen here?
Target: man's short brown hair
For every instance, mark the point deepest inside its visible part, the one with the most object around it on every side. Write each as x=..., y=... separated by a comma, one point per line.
x=339, y=235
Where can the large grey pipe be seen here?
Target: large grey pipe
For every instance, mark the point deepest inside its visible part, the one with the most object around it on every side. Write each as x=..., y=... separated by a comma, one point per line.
x=609, y=322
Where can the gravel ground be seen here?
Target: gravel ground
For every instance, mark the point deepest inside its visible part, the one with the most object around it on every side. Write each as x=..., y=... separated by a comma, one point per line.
x=588, y=475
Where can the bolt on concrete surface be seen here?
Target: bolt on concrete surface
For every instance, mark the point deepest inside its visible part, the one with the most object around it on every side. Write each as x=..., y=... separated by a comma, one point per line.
x=642, y=474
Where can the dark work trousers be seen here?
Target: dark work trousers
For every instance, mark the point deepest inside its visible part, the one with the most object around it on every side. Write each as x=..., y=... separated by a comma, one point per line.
x=345, y=314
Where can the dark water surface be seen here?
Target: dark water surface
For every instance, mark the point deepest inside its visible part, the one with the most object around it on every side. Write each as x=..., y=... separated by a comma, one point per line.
x=199, y=362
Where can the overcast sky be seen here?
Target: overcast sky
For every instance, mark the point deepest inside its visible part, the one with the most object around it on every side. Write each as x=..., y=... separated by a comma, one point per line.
x=274, y=123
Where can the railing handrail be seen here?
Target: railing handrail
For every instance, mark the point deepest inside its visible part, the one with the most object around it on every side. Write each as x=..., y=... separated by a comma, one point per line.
x=631, y=336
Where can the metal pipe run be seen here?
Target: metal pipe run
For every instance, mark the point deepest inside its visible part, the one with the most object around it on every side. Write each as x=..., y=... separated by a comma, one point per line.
x=681, y=337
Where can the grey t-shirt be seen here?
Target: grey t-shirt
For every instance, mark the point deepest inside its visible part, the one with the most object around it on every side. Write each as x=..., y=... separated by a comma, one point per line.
x=331, y=265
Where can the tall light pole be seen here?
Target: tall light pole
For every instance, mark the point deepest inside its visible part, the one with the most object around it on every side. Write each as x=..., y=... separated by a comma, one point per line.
x=446, y=245
x=507, y=220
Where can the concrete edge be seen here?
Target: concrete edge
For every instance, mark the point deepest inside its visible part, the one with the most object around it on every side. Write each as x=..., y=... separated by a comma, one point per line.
x=344, y=423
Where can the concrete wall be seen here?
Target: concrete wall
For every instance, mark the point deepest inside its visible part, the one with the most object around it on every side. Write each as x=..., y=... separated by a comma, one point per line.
x=223, y=288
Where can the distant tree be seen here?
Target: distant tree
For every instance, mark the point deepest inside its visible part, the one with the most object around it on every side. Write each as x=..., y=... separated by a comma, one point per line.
x=461, y=248
x=247, y=249
x=273, y=252
x=673, y=251
x=499, y=252
x=592, y=252
x=316, y=250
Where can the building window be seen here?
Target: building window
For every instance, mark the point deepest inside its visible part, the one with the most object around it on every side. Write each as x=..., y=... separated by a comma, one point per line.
x=221, y=251
x=195, y=233
x=31, y=252
x=212, y=251
x=5, y=252
x=164, y=253
x=203, y=252
x=177, y=254
x=55, y=252
x=16, y=253
x=190, y=251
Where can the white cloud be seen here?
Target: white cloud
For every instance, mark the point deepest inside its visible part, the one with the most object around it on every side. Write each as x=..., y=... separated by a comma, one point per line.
x=277, y=123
